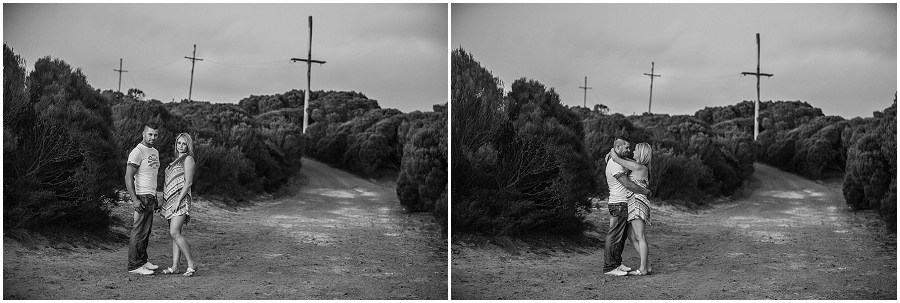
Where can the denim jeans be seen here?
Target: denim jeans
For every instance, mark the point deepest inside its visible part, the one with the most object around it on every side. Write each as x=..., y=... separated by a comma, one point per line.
x=140, y=231
x=615, y=236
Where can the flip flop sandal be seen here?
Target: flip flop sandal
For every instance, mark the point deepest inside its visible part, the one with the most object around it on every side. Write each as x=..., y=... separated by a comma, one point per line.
x=637, y=272
x=168, y=271
x=189, y=272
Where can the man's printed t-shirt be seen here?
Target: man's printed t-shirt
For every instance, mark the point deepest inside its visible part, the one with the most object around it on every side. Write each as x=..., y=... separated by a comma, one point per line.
x=147, y=159
x=617, y=192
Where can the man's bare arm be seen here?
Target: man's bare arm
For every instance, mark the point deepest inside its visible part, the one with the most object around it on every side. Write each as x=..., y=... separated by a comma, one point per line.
x=130, y=170
x=630, y=185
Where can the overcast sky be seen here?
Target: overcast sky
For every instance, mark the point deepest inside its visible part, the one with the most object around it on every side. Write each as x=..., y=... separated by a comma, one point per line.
x=393, y=53
x=841, y=58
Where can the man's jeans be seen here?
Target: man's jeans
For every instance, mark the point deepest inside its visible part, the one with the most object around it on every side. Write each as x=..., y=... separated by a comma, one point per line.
x=615, y=236
x=140, y=231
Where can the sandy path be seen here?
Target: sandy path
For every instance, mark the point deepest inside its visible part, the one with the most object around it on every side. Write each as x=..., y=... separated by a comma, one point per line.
x=338, y=237
x=790, y=239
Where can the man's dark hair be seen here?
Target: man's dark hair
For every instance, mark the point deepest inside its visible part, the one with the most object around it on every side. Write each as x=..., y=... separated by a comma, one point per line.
x=623, y=138
x=152, y=125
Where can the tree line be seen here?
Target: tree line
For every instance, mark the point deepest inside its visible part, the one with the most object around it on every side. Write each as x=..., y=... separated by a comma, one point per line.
x=66, y=143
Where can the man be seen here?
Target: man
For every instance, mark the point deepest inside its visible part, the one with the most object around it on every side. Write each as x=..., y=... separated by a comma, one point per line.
x=140, y=180
x=620, y=189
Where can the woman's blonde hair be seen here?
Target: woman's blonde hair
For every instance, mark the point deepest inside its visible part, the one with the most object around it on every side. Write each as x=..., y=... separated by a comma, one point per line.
x=643, y=153
x=187, y=140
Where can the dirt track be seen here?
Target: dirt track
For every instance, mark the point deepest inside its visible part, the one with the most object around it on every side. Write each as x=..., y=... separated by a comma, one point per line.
x=790, y=238
x=338, y=237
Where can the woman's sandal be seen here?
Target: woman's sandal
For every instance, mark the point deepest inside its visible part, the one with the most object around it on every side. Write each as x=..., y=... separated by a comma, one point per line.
x=189, y=272
x=637, y=272
x=168, y=271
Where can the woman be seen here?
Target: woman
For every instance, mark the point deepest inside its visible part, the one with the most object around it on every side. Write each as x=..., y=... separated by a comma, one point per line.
x=177, y=193
x=638, y=205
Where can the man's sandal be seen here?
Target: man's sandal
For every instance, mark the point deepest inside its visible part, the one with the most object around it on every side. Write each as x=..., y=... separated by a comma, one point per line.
x=189, y=272
x=168, y=271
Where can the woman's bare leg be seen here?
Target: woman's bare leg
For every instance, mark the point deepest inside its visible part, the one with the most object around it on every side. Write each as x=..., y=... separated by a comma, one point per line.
x=179, y=240
x=632, y=238
x=643, y=250
x=176, y=256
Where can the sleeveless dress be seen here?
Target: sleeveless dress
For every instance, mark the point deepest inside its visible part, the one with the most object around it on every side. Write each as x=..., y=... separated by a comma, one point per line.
x=174, y=184
x=639, y=205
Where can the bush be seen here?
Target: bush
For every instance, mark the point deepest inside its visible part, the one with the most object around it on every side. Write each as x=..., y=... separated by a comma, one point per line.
x=59, y=153
x=222, y=171
x=522, y=163
x=423, y=173
x=871, y=171
x=680, y=177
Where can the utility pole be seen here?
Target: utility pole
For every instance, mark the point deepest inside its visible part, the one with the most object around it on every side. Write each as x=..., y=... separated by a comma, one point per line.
x=585, y=87
x=120, y=75
x=652, y=75
x=193, y=59
x=757, y=74
x=309, y=61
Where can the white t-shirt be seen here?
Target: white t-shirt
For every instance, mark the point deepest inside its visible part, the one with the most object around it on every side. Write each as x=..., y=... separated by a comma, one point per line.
x=617, y=192
x=147, y=159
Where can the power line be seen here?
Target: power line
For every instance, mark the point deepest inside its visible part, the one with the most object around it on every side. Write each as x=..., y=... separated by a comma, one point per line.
x=152, y=68
x=626, y=81
x=698, y=80
x=248, y=65
x=132, y=81
x=183, y=66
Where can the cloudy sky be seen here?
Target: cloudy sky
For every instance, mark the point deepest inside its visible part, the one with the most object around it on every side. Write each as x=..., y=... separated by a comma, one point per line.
x=393, y=53
x=841, y=58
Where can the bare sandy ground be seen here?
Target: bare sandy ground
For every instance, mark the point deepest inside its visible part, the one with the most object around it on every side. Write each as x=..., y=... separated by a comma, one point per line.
x=789, y=238
x=338, y=237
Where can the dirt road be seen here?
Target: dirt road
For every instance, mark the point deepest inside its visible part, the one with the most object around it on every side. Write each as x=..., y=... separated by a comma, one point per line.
x=790, y=238
x=338, y=237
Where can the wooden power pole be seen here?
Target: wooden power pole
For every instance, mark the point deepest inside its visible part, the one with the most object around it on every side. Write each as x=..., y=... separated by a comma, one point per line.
x=756, y=105
x=120, y=75
x=193, y=59
x=585, y=87
x=652, y=75
x=309, y=61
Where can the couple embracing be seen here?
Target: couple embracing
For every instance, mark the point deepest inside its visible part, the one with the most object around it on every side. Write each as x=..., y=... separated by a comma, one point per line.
x=629, y=206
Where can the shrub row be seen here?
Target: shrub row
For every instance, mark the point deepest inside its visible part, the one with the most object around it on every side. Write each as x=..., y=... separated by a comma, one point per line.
x=66, y=143
x=691, y=163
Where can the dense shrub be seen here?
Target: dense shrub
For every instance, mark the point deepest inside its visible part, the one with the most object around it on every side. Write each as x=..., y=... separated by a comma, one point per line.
x=423, y=174
x=59, y=152
x=222, y=171
x=871, y=172
x=519, y=162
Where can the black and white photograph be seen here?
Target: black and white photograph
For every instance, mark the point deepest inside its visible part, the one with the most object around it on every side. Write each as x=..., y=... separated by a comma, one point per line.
x=287, y=151
x=667, y=151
